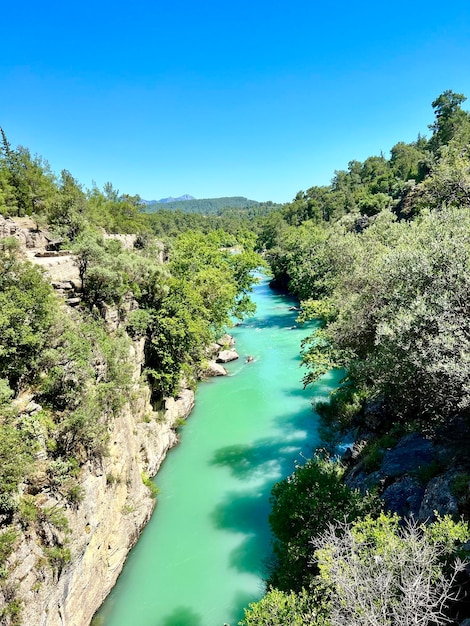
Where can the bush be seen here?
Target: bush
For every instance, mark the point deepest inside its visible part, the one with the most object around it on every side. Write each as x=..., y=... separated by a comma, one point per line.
x=154, y=490
x=379, y=572
x=303, y=505
x=288, y=609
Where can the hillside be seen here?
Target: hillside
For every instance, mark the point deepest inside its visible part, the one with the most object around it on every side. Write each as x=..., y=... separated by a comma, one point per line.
x=205, y=206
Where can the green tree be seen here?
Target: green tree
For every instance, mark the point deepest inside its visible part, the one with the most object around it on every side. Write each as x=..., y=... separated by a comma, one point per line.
x=401, y=327
x=27, y=310
x=88, y=250
x=450, y=118
x=68, y=212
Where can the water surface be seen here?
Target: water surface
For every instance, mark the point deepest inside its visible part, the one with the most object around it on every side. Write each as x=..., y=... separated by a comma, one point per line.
x=204, y=553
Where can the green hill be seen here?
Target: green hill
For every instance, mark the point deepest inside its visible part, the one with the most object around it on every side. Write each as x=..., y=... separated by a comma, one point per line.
x=205, y=206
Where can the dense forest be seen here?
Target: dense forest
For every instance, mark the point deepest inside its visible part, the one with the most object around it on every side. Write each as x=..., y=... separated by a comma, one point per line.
x=381, y=257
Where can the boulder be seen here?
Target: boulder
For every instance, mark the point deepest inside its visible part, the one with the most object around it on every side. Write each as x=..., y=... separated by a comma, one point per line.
x=438, y=497
x=212, y=349
x=226, y=340
x=411, y=453
x=65, y=285
x=179, y=407
x=73, y=301
x=226, y=355
x=33, y=407
x=404, y=496
x=212, y=369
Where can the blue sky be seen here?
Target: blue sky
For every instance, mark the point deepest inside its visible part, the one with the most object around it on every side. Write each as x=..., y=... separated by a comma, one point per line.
x=253, y=98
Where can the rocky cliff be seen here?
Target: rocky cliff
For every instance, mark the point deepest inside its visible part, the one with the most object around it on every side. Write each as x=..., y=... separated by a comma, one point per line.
x=105, y=525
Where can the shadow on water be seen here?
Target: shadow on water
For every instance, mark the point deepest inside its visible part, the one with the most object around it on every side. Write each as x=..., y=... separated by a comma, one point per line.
x=273, y=321
x=247, y=512
x=241, y=599
x=265, y=461
x=280, y=317
x=246, y=460
x=181, y=616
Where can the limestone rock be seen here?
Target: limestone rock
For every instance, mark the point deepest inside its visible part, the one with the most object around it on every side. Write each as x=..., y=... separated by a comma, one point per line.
x=226, y=340
x=212, y=349
x=212, y=369
x=65, y=285
x=127, y=241
x=107, y=523
x=179, y=407
x=225, y=356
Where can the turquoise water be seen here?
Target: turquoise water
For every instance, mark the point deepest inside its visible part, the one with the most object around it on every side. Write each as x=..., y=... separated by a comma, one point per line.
x=204, y=553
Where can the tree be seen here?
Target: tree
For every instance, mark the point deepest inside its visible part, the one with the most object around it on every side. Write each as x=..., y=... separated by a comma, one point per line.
x=27, y=310
x=89, y=250
x=450, y=117
x=68, y=213
x=402, y=325
x=405, y=159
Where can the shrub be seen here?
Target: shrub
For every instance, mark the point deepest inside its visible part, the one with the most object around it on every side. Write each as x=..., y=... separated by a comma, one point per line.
x=302, y=506
x=379, y=572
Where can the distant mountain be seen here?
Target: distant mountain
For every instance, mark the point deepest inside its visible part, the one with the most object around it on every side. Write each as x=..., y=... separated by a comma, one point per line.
x=205, y=206
x=171, y=199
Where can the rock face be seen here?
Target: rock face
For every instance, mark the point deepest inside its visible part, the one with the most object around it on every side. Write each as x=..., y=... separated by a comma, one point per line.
x=29, y=236
x=411, y=478
x=438, y=497
x=107, y=523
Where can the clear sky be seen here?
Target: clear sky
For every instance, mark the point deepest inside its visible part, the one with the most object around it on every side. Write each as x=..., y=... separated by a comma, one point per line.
x=252, y=98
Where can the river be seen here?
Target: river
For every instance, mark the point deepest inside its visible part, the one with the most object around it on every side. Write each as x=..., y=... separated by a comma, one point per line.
x=204, y=553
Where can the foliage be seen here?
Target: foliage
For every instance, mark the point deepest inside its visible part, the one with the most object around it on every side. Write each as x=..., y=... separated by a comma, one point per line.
x=58, y=557
x=8, y=539
x=302, y=506
x=206, y=206
x=191, y=313
x=450, y=118
x=402, y=324
x=378, y=572
x=27, y=310
x=339, y=413
x=289, y=609
x=150, y=485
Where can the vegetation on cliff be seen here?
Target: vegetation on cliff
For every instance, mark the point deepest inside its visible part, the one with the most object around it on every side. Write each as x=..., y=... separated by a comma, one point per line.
x=65, y=372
